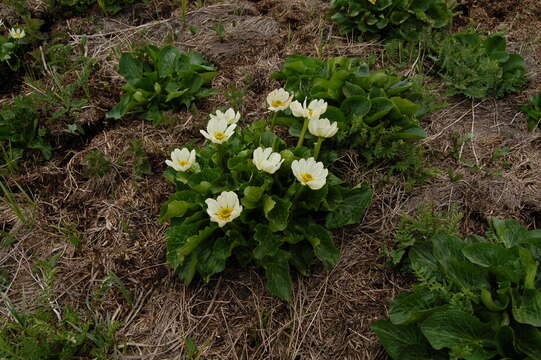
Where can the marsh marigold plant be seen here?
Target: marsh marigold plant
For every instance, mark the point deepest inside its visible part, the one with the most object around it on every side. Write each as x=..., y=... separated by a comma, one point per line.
x=246, y=198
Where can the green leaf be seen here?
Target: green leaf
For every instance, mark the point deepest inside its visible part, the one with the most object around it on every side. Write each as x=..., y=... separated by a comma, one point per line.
x=252, y=196
x=528, y=341
x=415, y=133
x=119, y=110
x=380, y=107
x=268, y=242
x=358, y=105
x=455, y=329
x=404, y=342
x=350, y=207
x=278, y=277
x=215, y=262
x=509, y=232
x=130, y=67
x=415, y=306
x=527, y=307
x=277, y=212
x=322, y=243
x=405, y=106
x=500, y=260
x=167, y=61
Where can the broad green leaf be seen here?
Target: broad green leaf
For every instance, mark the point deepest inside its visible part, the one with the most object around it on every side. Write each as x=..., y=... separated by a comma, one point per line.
x=502, y=261
x=252, y=196
x=302, y=257
x=130, y=67
x=415, y=306
x=278, y=213
x=527, y=307
x=404, y=342
x=193, y=241
x=167, y=61
x=405, y=106
x=177, y=235
x=322, y=243
x=528, y=341
x=350, y=208
x=380, y=107
x=509, y=232
x=455, y=329
x=268, y=242
x=278, y=277
x=415, y=133
x=119, y=110
x=357, y=105
x=215, y=262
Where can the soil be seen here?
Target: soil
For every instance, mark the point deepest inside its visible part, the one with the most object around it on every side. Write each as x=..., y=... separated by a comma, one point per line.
x=105, y=225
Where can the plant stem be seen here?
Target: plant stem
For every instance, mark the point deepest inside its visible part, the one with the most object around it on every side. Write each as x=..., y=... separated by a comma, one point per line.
x=303, y=132
x=273, y=121
x=317, y=147
x=220, y=152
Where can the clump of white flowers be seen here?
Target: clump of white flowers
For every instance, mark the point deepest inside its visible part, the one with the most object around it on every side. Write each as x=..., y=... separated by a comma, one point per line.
x=181, y=160
x=266, y=160
x=225, y=208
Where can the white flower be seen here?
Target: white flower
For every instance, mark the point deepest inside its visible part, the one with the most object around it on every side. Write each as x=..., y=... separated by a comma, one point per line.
x=310, y=173
x=229, y=115
x=181, y=160
x=312, y=111
x=316, y=108
x=224, y=208
x=218, y=130
x=267, y=161
x=322, y=128
x=279, y=99
x=16, y=33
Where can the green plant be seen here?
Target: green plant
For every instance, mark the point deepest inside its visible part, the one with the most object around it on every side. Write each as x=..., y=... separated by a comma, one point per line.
x=20, y=131
x=110, y=7
x=533, y=110
x=96, y=164
x=377, y=113
x=477, y=297
x=264, y=215
x=160, y=79
x=478, y=66
x=407, y=19
x=141, y=162
x=48, y=333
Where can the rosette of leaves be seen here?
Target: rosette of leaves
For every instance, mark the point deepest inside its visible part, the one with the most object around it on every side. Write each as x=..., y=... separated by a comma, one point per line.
x=478, y=297
x=406, y=19
x=283, y=224
x=162, y=79
x=20, y=130
x=377, y=113
x=533, y=110
x=477, y=66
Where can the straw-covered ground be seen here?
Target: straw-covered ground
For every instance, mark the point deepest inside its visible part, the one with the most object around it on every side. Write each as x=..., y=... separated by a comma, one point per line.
x=113, y=220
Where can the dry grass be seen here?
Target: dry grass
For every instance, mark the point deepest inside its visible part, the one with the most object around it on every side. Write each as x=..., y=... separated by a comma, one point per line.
x=114, y=217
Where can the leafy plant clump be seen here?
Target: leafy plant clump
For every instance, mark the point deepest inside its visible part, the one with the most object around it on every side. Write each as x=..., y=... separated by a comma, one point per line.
x=20, y=131
x=247, y=197
x=40, y=336
x=377, y=113
x=407, y=19
x=110, y=7
x=162, y=79
x=477, y=297
x=478, y=66
x=533, y=110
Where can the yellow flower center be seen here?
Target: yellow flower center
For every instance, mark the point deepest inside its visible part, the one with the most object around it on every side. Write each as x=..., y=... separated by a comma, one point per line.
x=306, y=177
x=224, y=213
x=183, y=162
x=372, y=1
x=219, y=135
x=277, y=103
